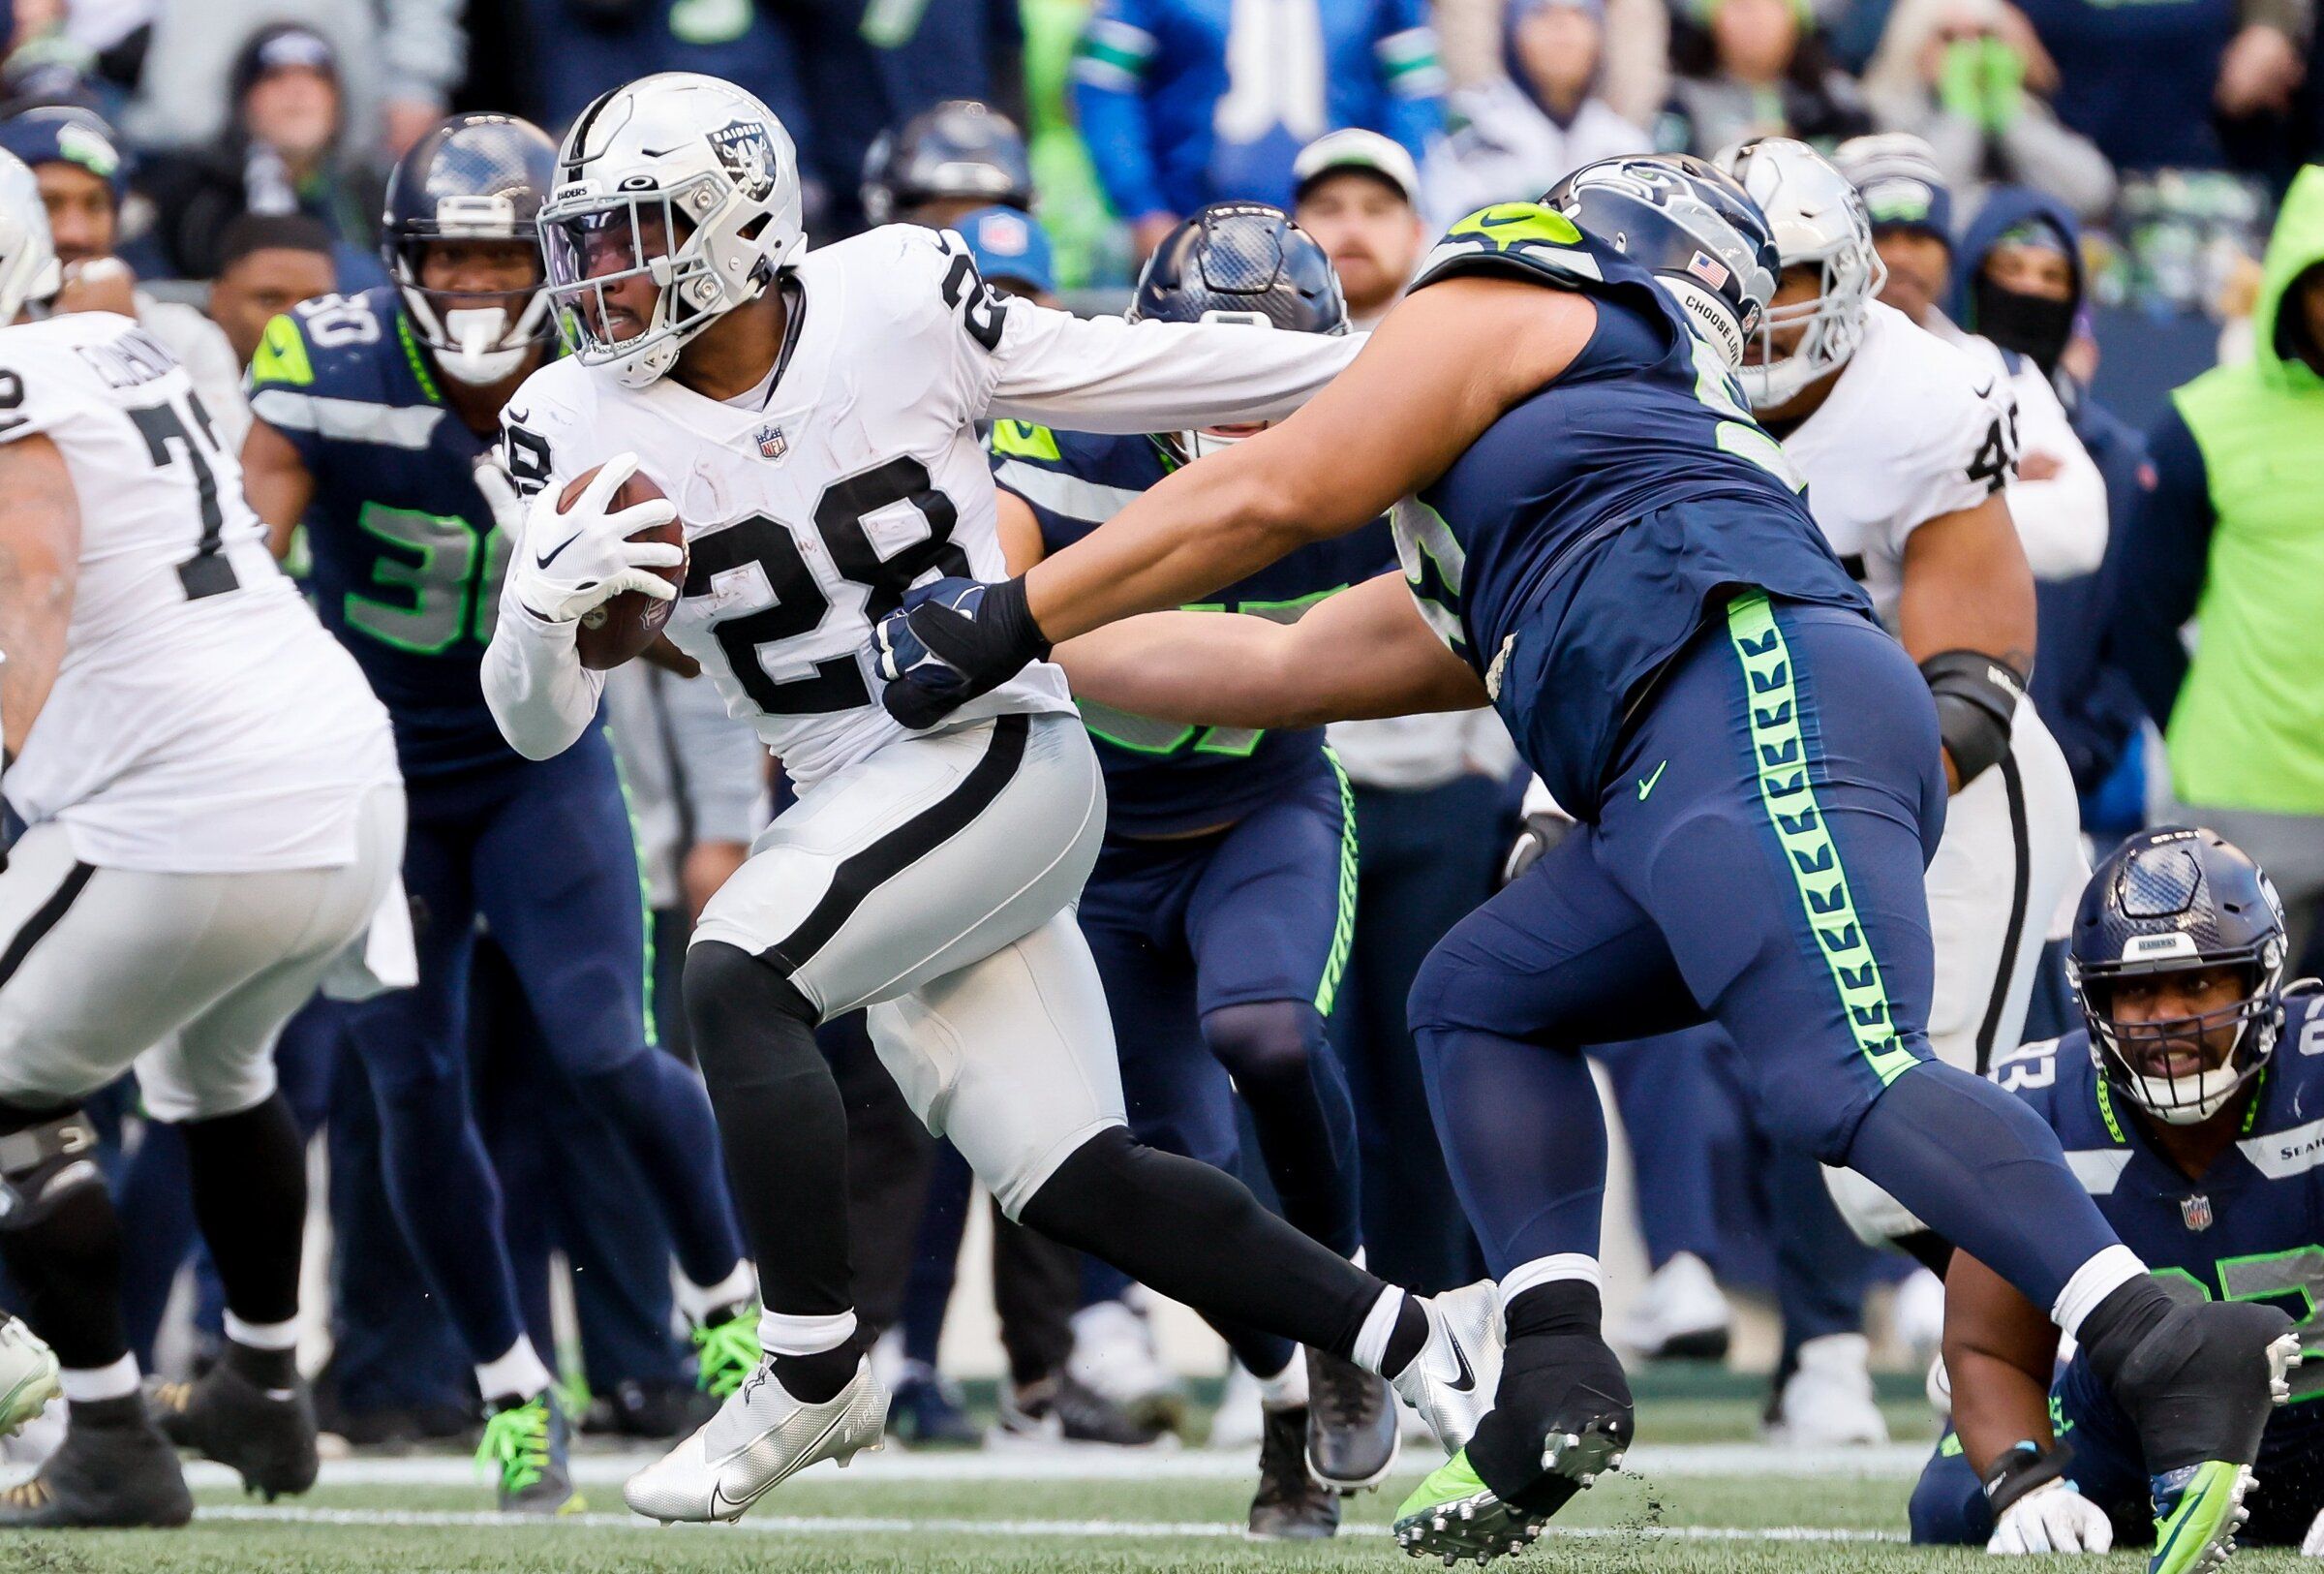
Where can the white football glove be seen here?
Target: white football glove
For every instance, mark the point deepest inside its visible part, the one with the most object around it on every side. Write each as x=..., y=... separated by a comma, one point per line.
x=2052, y=1518
x=568, y=562
x=2311, y=1545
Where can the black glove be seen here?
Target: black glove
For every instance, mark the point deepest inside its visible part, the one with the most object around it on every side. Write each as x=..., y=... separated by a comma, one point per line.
x=950, y=642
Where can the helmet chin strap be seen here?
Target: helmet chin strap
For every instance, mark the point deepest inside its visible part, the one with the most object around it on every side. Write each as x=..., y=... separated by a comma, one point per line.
x=2213, y=1088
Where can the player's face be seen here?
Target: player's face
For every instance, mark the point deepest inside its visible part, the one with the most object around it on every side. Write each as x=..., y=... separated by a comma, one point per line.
x=262, y=286
x=2040, y=271
x=1558, y=46
x=2179, y=1022
x=1370, y=232
x=294, y=111
x=1754, y=38
x=480, y=273
x=1919, y=269
x=614, y=249
x=80, y=211
x=1798, y=286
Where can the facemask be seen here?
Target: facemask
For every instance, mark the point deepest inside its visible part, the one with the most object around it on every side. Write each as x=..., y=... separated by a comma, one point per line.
x=2031, y=325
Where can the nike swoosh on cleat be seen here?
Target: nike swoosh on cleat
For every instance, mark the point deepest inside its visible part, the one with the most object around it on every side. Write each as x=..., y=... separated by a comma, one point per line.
x=1466, y=1384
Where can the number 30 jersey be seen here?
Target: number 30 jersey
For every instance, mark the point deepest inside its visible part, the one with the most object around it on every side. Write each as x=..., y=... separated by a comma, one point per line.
x=202, y=721
x=1914, y=428
x=812, y=504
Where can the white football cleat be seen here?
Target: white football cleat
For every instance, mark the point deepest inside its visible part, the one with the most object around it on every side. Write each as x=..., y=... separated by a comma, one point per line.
x=1828, y=1401
x=1680, y=1314
x=28, y=1378
x=760, y=1437
x=1113, y=1356
x=1451, y=1381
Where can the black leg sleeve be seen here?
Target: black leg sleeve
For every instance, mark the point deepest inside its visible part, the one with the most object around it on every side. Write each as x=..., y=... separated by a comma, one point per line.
x=780, y=1124
x=1037, y=1288
x=250, y=1198
x=1196, y=1235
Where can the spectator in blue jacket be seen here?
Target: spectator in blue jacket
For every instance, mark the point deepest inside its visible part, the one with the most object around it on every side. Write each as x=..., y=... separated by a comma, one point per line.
x=1190, y=102
x=2005, y=292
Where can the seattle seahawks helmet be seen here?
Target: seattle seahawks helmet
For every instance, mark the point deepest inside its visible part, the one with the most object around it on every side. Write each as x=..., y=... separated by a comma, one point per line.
x=2179, y=900
x=959, y=150
x=1818, y=221
x=1700, y=236
x=472, y=177
x=1243, y=263
x=683, y=180
x=29, y=274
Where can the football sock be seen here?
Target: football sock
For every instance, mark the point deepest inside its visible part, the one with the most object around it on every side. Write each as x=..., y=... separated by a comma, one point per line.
x=516, y=1373
x=1286, y=1390
x=1980, y=1168
x=1196, y=1235
x=813, y=1357
x=1524, y=1142
x=1557, y=1374
x=782, y=1124
x=1291, y=1079
x=703, y=1302
x=249, y=1188
x=658, y=1105
x=85, y=1386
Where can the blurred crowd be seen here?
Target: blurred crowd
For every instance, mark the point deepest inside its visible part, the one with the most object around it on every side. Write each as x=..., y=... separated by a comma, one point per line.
x=2079, y=183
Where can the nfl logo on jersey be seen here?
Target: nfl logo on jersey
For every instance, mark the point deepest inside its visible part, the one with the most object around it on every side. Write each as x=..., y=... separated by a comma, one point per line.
x=772, y=443
x=2196, y=1211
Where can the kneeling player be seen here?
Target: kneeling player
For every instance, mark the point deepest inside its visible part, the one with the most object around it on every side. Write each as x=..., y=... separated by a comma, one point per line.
x=1221, y=904
x=2198, y=1144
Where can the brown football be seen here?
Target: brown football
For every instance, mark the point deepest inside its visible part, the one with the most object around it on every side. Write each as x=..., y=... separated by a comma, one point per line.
x=622, y=628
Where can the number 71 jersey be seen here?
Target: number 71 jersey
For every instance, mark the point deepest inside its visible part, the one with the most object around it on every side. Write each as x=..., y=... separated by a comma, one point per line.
x=202, y=721
x=811, y=506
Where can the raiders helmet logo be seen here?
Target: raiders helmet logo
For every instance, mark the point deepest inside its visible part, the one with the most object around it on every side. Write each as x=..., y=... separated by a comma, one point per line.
x=748, y=156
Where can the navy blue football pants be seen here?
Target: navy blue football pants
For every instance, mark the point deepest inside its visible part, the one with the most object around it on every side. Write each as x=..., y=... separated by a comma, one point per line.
x=1220, y=955
x=1756, y=858
x=543, y=853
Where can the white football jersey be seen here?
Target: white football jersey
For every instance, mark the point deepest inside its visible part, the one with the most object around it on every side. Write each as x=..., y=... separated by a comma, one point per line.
x=1914, y=428
x=814, y=506
x=203, y=721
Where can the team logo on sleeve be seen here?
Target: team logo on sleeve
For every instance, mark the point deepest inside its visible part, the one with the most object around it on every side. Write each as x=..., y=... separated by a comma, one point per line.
x=748, y=156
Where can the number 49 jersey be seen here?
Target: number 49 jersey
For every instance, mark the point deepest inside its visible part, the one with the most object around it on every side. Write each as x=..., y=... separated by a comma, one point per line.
x=1914, y=428
x=813, y=502
x=2252, y=1228
x=202, y=719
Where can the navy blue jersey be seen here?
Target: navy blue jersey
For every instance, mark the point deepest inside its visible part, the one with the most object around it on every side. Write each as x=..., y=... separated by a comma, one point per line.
x=1574, y=549
x=407, y=564
x=1161, y=777
x=2252, y=1228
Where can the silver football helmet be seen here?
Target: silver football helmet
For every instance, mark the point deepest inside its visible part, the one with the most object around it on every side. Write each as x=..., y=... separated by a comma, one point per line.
x=1818, y=219
x=682, y=180
x=30, y=273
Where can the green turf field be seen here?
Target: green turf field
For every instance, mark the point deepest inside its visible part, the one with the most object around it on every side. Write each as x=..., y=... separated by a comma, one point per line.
x=1718, y=1508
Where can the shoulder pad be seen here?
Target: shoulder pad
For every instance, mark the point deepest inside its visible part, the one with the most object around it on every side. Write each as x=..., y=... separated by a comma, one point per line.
x=1522, y=239
x=333, y=345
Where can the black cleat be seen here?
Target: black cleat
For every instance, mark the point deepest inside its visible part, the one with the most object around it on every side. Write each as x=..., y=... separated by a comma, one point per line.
x=1058, y=1410
x=1352, y=1425
x=114, y=1469
x=266, y=1433
x=1290, y=1503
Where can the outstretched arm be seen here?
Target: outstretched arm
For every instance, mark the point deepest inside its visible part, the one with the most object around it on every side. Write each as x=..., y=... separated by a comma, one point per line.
x=1363, y=653
x=1441, y=369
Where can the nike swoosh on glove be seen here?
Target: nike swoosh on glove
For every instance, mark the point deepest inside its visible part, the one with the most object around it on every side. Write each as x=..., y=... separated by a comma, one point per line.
x=951, y=641
x=2051, y=1519
x=574, y=561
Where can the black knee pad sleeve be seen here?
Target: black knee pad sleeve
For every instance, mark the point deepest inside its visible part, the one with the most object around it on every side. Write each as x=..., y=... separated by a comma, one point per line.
x=1265, y=1042
x=732, y=999
x=44, y=1161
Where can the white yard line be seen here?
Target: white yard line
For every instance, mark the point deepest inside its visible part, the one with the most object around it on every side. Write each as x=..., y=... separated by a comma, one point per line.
x=858, y=1524
x=1895, y=1461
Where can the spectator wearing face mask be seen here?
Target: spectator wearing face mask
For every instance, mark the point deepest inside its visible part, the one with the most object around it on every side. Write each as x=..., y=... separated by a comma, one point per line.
x=1753, y=68
x=2058, y=498
x=282, y=154
x=1520, y=132
x=1972, y=79
x=267, y=263
x=2022, y=287
x=79, y=164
